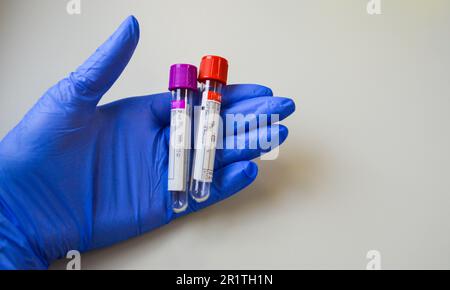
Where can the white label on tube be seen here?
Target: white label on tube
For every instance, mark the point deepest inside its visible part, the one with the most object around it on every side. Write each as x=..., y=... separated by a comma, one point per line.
x=180, y=136
x=206, y=142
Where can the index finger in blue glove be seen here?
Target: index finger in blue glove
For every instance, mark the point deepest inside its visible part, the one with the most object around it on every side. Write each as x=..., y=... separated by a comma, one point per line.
x=252, y=110
x=160, y=107
x=240, y=92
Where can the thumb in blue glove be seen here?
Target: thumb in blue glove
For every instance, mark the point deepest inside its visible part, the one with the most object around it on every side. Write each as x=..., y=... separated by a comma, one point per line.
x=78, y=176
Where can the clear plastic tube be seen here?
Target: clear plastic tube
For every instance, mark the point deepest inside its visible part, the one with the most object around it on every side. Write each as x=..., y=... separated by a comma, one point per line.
x=206, y=140
x=180, y=147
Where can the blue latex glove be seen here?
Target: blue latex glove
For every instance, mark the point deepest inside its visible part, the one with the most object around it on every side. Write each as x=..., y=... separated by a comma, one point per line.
x=77, y=176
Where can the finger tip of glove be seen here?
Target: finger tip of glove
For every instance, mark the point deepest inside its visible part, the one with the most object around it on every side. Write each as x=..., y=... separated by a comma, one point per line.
x=133, y=19
x=284, y=132
x=131, y=25
x=280, y=132
x=261, y=90
x=266, y=90
x=126, y=35
x=288, y=106
x=249, y=89
x=251, y=170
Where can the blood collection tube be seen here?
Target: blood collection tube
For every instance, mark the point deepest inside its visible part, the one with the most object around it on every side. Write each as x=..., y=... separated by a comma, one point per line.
x=212, y=77
x=183, y=87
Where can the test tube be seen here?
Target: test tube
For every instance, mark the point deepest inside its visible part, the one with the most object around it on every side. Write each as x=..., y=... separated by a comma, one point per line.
x=183, y=86
x=212, y=77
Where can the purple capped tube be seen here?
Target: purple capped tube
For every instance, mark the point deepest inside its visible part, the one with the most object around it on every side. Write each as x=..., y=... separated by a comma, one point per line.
x=183, y=87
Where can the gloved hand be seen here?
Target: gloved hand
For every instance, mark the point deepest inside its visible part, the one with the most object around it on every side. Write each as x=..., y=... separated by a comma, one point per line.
x=77, y=176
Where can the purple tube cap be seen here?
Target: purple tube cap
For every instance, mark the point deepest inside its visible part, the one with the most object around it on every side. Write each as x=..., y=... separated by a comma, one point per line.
x=183, y=76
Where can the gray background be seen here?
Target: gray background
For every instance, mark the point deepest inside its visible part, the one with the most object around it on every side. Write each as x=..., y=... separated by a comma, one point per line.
x=367, y=163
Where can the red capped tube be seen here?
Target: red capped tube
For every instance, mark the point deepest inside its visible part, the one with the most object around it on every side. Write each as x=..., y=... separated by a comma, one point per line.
x=213, y=77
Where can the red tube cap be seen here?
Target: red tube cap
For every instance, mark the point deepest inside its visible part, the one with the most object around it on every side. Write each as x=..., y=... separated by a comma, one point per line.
x=213, y=68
